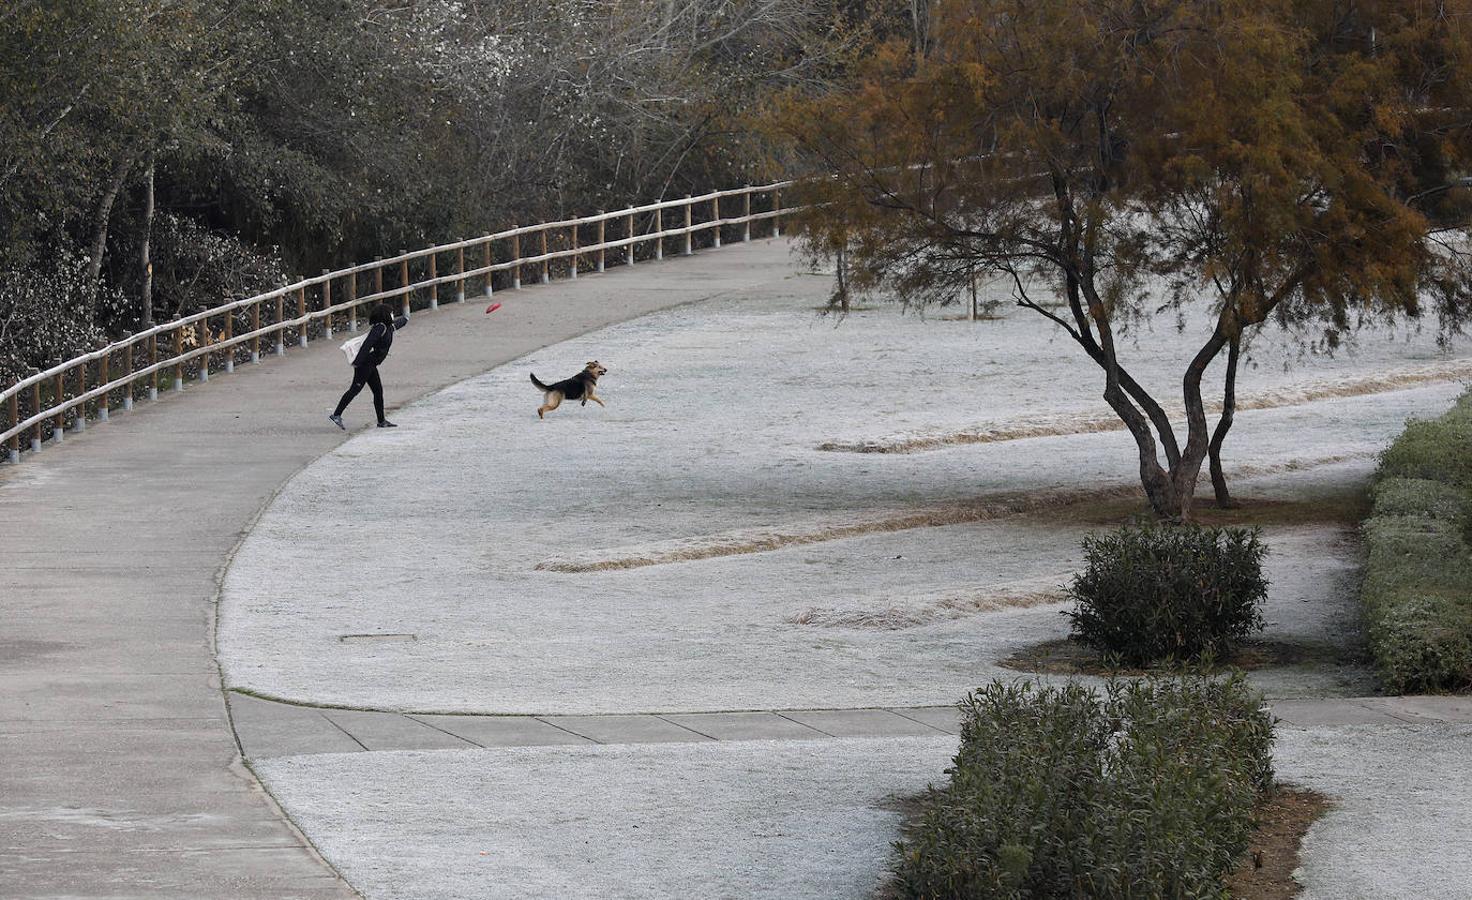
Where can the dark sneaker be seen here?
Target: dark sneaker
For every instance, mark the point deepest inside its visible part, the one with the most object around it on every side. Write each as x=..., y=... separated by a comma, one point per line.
x=387, y=424
x=337, y=420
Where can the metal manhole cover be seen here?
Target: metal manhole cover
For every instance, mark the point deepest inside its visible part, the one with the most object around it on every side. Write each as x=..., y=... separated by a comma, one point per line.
x=375, y=638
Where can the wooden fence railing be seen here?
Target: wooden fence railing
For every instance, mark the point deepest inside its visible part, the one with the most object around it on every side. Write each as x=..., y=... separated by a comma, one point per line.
x=40, y=408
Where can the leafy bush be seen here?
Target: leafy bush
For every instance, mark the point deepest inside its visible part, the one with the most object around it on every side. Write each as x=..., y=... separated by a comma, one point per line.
x=1417, y=594
x=46, y=314
x=1434, y=449
x=195, y=268
x=1164, y=593
x=1146, y=791
x=1420, y=498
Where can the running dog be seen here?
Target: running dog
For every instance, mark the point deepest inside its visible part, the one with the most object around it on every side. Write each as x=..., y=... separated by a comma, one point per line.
x=578, y=387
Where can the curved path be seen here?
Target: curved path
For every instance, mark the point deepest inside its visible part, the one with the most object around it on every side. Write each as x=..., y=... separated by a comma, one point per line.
x=119, y=772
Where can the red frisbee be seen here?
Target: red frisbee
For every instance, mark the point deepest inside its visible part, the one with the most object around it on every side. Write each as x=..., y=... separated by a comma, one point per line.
x=492, y=308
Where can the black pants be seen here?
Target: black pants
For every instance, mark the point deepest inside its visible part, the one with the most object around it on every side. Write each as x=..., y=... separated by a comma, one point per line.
x=363, y=375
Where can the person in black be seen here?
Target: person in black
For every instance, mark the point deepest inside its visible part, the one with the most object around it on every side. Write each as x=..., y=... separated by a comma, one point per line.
x=365, y=364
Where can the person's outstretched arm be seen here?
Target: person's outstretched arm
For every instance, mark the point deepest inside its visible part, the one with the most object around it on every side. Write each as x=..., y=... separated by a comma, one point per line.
x=400, y=322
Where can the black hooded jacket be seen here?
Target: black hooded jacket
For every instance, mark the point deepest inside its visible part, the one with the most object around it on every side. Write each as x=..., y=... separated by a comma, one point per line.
x=375, y=348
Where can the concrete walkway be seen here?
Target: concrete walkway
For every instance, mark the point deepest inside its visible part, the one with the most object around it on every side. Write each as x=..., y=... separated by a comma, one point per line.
x=119, y=772
x=269, y=728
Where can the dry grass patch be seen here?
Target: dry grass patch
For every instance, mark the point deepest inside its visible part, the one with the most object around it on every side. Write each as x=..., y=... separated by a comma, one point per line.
x=1346, y=507
x=1266, y=873
x=936, y=608
x=1064, y=656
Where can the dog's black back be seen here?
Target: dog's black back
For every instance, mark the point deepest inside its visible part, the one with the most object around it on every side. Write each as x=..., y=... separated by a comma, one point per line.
x=573, y=388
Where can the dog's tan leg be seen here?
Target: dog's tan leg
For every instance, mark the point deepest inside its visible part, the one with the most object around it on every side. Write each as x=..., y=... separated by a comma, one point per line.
x=552, y=401
x=596, y=400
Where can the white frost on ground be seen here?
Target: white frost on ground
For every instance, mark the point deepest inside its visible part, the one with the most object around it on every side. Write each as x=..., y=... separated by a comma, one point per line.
x=715, y=413
x=798, y=819
x=786, y=820
x=1402, y=802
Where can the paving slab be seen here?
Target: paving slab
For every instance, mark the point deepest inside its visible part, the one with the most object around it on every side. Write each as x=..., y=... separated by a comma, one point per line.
x=1455, y=710
x=631, y=729
x=861, y=723
x=745, y=726
x=1313, y=713
x=946, y=718
x=504, y=731
x=392, y=731
x=278, y=729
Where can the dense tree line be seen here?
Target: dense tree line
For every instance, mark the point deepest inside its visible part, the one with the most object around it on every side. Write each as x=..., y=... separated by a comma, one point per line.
x=159, y=156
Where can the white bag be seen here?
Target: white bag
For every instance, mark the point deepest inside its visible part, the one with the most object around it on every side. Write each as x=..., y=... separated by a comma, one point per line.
x=351, y=346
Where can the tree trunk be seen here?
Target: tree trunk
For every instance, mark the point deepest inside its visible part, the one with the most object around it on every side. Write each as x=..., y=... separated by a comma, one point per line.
x=144, y=261
x=1161, y=488
x=1229, y=405
x=843, y=278
x=99, y=233
x=1158, y=418
x=1187, y=472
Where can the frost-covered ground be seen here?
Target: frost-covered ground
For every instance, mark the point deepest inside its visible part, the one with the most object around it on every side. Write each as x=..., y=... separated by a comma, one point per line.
x=1402, y=800
x=780, y=820
x=798, y=820
x=690, y=548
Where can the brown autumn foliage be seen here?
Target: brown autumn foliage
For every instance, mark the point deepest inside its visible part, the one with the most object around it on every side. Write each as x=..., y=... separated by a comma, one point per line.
x=1297, y=161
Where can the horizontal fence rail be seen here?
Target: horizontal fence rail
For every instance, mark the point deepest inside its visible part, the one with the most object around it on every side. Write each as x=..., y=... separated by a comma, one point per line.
x=40, y=408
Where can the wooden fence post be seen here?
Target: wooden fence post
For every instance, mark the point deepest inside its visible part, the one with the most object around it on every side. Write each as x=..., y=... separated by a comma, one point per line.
x=178, y=352
x=229, y=347
x=659, y=230
x=404, y=281
x=746, y=214
x=715, y=215
x=301, y=312
x=152, y=364
x=128, y=389
x=516, y=255
x=434, y=288
x=460, y=269
x=378, y=283
x=36, y=410
x=14, y=421
x=327, y=304
x=490, y=261
x=280, y=330
x=572, y=268
x=79, y=416
x=202, y=338
x=602, y=236
x=255, y=326
x=58, y=424
x=104, y=375
x=544, y=276
x=629, y=233
x=353, y=303
x=776, y=208
x=686, y=251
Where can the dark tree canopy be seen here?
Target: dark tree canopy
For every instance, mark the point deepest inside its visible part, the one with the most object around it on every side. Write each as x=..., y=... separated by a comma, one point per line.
x=273, y=137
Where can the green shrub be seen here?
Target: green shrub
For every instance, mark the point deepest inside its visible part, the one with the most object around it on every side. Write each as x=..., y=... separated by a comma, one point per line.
x=1417, y=594
x=1168, y=593
x=1144, y=792
x=1418, y=609
x=1420, y=497
x=1434, y=449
